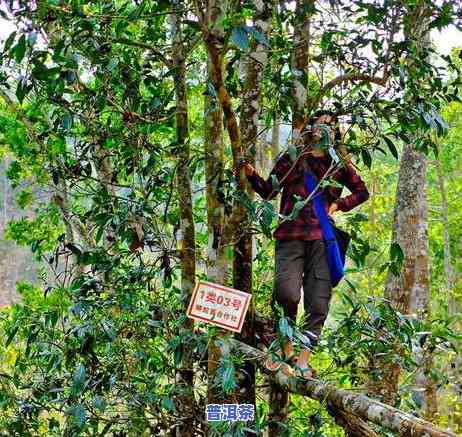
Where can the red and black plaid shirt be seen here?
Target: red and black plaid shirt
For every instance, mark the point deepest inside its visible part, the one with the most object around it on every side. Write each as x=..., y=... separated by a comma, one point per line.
x=306, y=226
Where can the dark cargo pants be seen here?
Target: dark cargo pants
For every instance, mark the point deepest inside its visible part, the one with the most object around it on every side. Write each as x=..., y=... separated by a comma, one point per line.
x=298, y=263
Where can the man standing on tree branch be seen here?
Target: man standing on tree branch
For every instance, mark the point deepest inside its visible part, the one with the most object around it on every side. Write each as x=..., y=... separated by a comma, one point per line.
x=300, y=256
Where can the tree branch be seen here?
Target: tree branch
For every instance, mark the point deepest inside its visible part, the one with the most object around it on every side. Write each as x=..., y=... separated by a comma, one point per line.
x=351, y=77
x=357, y=404
x=353, y=425
x=143, y=45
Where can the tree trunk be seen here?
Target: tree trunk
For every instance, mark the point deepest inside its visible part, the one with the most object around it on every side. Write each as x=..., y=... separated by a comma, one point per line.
x=275, y=139
x=214, y=164
x=448, y=266
x=185, y=375
x=409, y=293
x=216, y=249
x=213, y=38
x=218, y=230
x=300, y=64
x=249, y=123
x=372, y=232
x=451, y=368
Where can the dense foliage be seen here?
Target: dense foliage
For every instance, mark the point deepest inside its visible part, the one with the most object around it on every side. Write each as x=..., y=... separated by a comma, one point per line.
x=89, y=119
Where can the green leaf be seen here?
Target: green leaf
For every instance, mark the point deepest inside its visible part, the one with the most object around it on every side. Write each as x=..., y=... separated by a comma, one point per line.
x=20, y=49
x=228, y=379
x=113, y=63
x=268, y=213
x=404, y=137
x=351, y=285
x=74, y=249
x=121, y=28
x=274, y=182
x=9, y=41
x=326, y=40
x=258, y=36
x=32, y=38
x=391, y=147
x=138, y=11
x=240, y=37
x=285, y=328
x=11, y=335
x=78, y=381
x=299, y=205
x=99, y=234
x=67, y=121
x=210, y=89
x=21, y=90
x=79, y=414
x=106, y=429
x=429, y=120
x=396, y=253
x=168, y=404
x=99, y=403
x=346, y=298
x=109, y=329
x=440, y=120
x=34, y=246
x=292, y=151
x=366, y=156
x=396, y=259
x=402, y=78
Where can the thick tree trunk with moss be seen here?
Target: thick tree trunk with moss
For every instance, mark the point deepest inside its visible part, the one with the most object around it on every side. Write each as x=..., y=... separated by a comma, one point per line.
x=186, y=240
x=409, y=292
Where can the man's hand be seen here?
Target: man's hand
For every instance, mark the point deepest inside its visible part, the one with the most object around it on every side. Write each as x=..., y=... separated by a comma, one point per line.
x=249, y=169
x=317, y=134
x=333, y=208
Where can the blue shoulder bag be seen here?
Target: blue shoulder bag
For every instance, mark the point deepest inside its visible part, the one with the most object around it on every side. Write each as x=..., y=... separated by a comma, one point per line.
x=336, y=240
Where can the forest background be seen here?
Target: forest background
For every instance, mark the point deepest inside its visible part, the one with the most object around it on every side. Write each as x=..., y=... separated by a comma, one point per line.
x=120, y=125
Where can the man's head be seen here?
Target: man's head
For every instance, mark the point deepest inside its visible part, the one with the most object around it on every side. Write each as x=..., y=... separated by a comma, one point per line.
x=326, y=117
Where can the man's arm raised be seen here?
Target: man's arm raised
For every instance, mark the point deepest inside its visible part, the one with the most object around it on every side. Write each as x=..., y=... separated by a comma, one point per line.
x=280, y=175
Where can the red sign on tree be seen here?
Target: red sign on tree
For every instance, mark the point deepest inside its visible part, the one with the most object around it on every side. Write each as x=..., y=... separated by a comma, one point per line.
x=219, y=305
